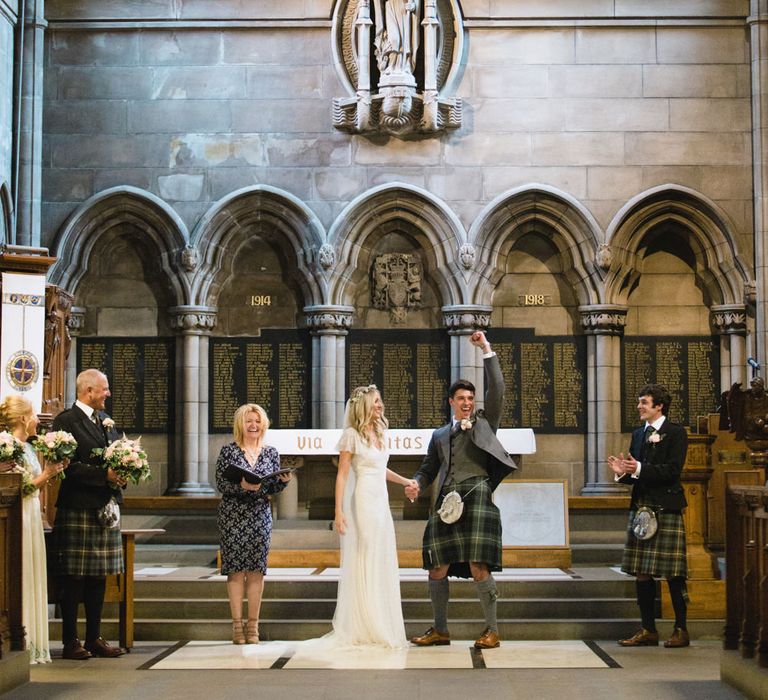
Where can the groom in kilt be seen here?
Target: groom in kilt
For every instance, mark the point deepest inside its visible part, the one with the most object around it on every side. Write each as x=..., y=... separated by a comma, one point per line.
x=84, y=551
x=465, y=456
x=653, y=468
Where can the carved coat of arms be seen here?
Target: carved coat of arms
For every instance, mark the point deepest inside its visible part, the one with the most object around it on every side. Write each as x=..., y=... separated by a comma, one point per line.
x=396, y=284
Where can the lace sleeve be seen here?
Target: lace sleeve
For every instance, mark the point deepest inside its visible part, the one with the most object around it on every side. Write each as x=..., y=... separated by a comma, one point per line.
x=348, y=441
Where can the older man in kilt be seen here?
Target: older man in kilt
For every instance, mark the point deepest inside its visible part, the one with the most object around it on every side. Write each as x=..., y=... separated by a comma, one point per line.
x=84, y=550
x=653, y=467
x=465, y=456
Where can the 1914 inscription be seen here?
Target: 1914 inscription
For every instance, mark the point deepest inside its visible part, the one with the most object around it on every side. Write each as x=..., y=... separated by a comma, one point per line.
x=272, y=370
x=686, y=366
x=140, y=373
x=409, y=366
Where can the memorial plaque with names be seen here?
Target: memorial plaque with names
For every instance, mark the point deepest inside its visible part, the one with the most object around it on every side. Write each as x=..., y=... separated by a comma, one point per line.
x=545, y=378
x=689, y=368
x=410, y=367
x=272, y=370
x=141, y=380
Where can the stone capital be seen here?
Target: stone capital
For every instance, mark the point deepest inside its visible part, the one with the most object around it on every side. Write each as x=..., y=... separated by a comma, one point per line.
x=729, y=319
x=76, y=321
x=466, y=318
x=193, y=319
x=603, y=319
x=328, y=319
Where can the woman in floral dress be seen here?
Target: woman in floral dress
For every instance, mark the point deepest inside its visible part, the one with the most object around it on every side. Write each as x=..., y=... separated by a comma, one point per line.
x=245, y=518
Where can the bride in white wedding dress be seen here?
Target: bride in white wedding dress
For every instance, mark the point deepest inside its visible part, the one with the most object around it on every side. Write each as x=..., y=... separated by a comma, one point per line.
x=368, y=608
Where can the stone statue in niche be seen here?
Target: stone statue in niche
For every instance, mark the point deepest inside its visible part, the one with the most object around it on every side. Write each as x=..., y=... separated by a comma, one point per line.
x=399, y=58
x=396, y=284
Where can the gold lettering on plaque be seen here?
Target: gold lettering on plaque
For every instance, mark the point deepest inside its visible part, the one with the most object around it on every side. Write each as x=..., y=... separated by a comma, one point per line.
x=534, y=299
x=259, y=300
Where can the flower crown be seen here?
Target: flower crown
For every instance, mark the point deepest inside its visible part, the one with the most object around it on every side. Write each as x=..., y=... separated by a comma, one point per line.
x=360, y=391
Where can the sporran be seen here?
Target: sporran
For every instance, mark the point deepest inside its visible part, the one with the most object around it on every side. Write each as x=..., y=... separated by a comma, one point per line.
x=645, y=524
x=109, y=515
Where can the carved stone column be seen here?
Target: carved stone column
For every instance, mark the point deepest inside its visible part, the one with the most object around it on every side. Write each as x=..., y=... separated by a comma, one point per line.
x=76, y=325
x=30, y=130
x=730, y=323
x=329, y=326
x=288, y=499
x=603, y=325
x=193, y=324
x=467, y=361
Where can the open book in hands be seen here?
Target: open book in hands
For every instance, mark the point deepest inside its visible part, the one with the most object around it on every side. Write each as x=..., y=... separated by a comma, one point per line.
x=236, y=474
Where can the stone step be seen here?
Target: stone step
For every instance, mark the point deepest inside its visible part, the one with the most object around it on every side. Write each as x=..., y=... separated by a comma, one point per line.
x=291, y=630
x=327, y=587
x=322, y=609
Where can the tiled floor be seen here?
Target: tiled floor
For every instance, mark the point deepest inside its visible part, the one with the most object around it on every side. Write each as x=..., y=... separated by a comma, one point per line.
x=316, y=655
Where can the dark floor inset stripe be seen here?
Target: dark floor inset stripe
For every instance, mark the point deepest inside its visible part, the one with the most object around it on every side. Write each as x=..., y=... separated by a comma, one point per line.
x=604, y=655
x=281, y=661
x=477, y=658
x=162, y=655
x=571, y=573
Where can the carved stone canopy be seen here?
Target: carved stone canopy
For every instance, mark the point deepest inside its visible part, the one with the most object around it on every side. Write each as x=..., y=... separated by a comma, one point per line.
x=399, y=60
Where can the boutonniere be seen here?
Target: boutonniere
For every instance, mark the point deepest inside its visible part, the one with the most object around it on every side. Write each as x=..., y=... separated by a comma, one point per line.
x=108, y=423
x=655, y=438
x=466, y=424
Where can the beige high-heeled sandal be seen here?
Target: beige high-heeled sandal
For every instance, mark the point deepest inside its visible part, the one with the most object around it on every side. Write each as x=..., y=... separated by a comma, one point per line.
x=238, y=632
x=252, y=632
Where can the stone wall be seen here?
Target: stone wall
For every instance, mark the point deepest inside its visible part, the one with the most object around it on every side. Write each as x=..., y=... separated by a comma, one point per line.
x=604, y=160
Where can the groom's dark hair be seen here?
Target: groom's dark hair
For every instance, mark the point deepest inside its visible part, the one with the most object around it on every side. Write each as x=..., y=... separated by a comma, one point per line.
x=460, y=384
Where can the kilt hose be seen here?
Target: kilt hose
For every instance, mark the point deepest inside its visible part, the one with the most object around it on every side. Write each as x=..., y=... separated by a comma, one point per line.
x=83, y=547
x=663, y=555
x=475, y=536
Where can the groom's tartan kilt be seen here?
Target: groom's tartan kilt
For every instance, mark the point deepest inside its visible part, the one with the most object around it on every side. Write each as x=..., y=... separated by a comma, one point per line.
x=664, y=555
x=476, y=536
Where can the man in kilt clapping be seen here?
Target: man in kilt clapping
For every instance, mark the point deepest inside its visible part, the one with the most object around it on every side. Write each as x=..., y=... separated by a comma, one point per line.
x=86, y=544
x=468, y=462
x=655, y=544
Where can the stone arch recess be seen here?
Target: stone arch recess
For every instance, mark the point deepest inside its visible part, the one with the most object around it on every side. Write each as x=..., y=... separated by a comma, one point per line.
x=289, y=223
x=718, y=263
x=569, y=226
x=158, y=223
x=385, y=204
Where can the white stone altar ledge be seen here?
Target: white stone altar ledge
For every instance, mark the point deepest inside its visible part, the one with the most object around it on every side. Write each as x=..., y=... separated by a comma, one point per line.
x=516, y=441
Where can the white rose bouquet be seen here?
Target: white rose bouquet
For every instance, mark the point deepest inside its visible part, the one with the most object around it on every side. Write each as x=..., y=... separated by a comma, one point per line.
x=11, y=448
x=56, y=446
x=127, y=458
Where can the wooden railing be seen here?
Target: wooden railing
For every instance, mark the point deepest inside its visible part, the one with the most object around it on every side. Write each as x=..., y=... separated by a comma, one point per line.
x=746, y=625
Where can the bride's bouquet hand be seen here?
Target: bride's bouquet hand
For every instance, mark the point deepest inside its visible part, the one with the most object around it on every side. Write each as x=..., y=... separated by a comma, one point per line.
x=340, y=524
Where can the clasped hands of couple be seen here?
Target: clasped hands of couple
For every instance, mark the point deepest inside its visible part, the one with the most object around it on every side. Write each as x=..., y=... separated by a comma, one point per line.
x=621, y=465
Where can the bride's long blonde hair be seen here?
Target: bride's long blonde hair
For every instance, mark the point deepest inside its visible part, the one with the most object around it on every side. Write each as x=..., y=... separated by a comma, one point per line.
x=360, y=416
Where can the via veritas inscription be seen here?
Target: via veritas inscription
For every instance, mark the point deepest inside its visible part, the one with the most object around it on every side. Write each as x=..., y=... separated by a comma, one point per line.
x=141, y=373
x=687, y=366
x=271, y=370
x=410, y=367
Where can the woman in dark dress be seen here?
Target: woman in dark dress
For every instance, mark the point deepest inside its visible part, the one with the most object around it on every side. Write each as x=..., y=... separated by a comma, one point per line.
x=245, y=518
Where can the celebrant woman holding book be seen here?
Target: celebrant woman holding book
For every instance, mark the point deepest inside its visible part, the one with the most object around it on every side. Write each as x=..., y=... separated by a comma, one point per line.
x=17, y=415
x=246, y=476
